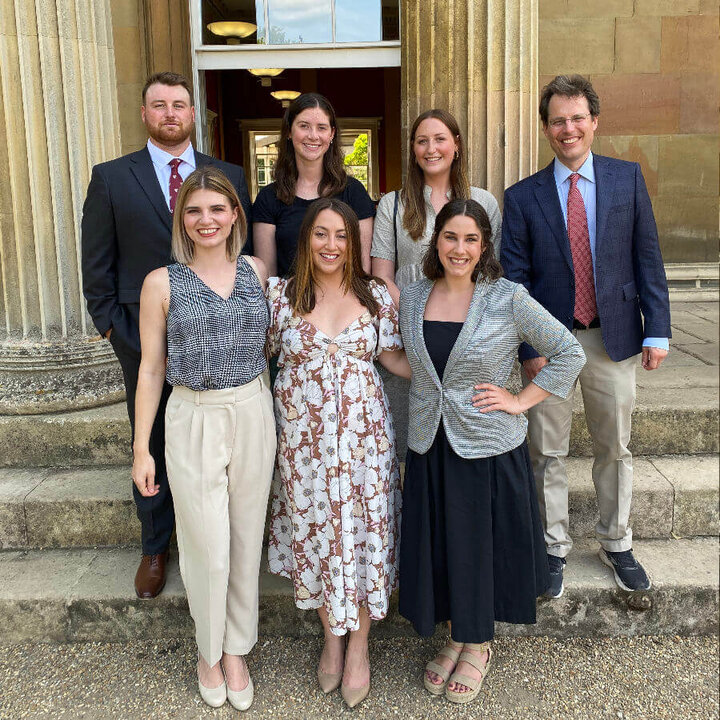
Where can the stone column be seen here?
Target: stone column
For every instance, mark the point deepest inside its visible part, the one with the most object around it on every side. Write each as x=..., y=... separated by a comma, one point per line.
x=478, y=60
x=58, y=117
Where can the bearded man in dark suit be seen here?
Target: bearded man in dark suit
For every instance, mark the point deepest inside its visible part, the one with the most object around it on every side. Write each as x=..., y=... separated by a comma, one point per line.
x=126, y=231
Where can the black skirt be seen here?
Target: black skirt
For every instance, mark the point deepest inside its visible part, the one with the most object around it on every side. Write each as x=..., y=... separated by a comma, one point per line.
x=472, y=548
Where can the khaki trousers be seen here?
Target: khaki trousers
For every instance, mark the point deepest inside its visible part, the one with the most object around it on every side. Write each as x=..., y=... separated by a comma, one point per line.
x=220, y=451
x=608, y=390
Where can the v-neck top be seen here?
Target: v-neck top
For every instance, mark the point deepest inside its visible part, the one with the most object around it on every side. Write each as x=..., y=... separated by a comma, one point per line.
x=440, y=338
x=213, y=342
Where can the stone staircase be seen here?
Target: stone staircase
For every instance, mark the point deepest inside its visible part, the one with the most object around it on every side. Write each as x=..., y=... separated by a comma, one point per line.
x=68, y=532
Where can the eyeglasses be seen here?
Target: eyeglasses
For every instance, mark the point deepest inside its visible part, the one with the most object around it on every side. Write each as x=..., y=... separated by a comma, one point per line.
x=558, y=123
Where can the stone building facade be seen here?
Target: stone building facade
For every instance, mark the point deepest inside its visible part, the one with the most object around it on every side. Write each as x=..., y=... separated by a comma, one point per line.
x=71, y=72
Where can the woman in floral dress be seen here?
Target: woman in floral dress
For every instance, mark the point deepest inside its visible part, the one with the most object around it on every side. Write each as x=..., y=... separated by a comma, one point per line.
x=336, y=497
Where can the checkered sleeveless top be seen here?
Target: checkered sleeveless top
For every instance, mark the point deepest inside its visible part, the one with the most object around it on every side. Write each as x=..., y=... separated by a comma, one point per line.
x=214, y=343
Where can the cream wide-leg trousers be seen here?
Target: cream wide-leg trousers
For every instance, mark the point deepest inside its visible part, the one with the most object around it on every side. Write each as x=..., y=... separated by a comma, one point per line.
x=220, y=451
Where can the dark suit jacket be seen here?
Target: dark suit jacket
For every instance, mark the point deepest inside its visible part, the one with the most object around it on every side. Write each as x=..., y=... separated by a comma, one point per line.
x=126, y=231
x=629, y=271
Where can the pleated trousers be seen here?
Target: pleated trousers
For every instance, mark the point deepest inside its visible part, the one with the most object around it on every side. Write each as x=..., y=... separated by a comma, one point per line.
x=220, y=452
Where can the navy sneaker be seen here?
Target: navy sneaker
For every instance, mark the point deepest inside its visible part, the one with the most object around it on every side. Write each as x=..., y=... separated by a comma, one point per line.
x=556, y=588
x=629, y=573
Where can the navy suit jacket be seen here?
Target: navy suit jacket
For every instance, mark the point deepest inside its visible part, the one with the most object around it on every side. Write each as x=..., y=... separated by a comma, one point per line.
x=630, y=283
x=126, y=230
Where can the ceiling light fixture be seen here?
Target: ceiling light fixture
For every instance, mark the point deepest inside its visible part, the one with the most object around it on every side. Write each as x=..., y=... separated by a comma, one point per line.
x=265, y=74
x=285, y=96
x=232, y=30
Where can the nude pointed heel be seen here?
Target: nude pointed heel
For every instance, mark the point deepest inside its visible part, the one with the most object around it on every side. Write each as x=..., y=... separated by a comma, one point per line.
x=354, y=696
x=328, y=681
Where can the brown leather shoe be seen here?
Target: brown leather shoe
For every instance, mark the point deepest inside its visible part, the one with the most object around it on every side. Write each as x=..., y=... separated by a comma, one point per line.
x=150, y=576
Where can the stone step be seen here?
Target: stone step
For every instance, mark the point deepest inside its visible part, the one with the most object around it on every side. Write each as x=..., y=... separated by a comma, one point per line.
x=84, y=507
x=679, y=416
x=87, y=595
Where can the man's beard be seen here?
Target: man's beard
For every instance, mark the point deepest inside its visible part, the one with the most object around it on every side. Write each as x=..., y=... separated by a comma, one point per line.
x=171, y=135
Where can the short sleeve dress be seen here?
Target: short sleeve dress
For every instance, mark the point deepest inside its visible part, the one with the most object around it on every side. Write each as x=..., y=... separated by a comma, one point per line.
x=287, y=219
x=336, y=495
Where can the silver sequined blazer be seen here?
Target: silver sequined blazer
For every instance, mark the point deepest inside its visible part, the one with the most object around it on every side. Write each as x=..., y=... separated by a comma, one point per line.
x=501, y=316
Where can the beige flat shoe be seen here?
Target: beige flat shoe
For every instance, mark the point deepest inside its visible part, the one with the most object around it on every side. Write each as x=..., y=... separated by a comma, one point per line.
x=452, y=654
x=214, y=697
x=242, y=699
x=471, y=683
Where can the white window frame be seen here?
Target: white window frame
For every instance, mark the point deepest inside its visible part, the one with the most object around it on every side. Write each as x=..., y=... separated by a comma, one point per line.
x=385, y=53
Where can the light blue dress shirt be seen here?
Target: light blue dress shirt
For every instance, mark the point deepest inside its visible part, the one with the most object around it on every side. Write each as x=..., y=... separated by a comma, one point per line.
x=586, y=185
x=161, y=164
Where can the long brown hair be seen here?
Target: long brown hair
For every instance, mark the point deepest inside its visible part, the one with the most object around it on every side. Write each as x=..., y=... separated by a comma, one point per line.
x=487, y=265
x=285, y=173
x=412, y=192
x=207, y=177
x=301, y=286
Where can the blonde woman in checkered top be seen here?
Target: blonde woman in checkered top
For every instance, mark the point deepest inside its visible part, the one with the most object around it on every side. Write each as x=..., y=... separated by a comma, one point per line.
x=472, y=549
x=203, y=325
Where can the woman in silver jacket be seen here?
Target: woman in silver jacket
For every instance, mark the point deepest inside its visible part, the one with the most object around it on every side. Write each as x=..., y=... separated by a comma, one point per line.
x=472, y=549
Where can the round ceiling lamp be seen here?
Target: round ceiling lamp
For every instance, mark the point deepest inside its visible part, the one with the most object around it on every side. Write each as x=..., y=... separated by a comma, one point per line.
x=285, y=96
x=232, y=30
x=265, y=74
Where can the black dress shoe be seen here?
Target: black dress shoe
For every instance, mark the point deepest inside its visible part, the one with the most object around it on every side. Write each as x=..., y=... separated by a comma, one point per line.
x=150, y=576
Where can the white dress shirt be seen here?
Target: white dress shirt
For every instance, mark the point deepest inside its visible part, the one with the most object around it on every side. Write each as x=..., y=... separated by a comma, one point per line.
x=161, y=163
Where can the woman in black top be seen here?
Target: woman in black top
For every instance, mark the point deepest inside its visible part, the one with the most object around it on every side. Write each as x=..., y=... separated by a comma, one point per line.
x=309, y=166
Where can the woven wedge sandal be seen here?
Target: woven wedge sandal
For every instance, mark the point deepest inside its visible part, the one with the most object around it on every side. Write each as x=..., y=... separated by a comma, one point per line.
x=471, y=683
x=451, y=654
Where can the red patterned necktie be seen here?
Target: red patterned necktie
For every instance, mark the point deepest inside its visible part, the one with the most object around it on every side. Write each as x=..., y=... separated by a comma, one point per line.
x=175, y=181
x=577, y=227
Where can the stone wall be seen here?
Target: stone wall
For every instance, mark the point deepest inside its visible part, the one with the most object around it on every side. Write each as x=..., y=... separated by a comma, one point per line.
x=656, y=67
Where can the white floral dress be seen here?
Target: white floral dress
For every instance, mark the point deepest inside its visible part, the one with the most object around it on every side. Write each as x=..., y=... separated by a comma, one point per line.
x=336, y=494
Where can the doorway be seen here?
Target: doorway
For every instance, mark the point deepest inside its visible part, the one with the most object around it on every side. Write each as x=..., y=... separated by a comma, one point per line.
x=243, y=120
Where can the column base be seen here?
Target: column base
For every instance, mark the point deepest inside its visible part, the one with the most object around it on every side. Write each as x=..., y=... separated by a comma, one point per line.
x=45, y=377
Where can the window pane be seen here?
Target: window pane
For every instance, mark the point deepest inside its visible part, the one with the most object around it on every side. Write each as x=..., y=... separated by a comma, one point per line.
x=299, y=21
x=266, y=151
x=302, y=21
x=357, y=21
x=390, y=20
x=355, y=149
x=247, y=11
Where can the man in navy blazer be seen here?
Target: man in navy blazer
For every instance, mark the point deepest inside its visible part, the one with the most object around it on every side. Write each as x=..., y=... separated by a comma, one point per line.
x=126, y=231
x=617, y=286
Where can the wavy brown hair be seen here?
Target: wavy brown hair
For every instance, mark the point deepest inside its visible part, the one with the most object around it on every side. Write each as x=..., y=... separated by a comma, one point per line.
x=285, y=173
x=487, y=265
x=207, y=177
x=412, y=192
x=301, y=286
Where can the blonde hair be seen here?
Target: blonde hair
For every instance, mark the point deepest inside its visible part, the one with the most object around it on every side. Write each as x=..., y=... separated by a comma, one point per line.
x=206, y=178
